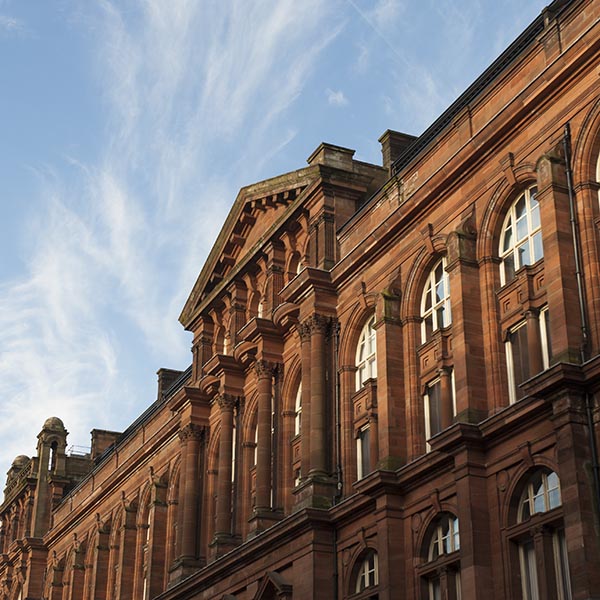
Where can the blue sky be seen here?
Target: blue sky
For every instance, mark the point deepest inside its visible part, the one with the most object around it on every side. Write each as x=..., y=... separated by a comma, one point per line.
x=127, y=128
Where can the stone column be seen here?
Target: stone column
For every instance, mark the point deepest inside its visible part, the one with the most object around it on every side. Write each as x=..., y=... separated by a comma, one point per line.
x=390, y=382
x=473, y=516
x=157, y=547
x=318, y=325
x=223, y=521
x=127, y=553
x=192, y=437
x=577, y=491
x=304, y=331
x=467, y=331
x=264, y=372
x=415, y=419
x=559, y=260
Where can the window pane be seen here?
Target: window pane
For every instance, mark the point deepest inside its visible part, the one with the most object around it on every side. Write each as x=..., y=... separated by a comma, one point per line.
x=434, y=399
x=535, y=215
x=441, y=320
x=524, y=255
x=522, y=229
x=520, y=207
x=538, y=250
x=509, y=267
x=528, y=571
x=563, y=580
x=435, y=590
x=427, y=305
x=507, y=239
x=520, y=364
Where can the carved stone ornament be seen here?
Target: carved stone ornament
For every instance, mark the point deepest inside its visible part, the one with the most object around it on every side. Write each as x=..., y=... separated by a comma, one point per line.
x=191, y=432
x=304, y=332
x=318, y=323
x=226, y=401
x=264, y=369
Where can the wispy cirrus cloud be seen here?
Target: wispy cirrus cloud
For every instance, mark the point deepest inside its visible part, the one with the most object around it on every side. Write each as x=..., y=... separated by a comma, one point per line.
x=336, y=98
x=11, y=26
x=115, y=249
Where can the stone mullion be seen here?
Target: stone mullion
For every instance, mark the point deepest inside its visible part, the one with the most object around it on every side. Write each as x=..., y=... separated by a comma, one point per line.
x=447, y=409
x=373, y=441
x=264, y=474
x=534, y=347
x=189, y=490
x=415, y=420
x=223, y=521
x=318, y=325
x=305, y=349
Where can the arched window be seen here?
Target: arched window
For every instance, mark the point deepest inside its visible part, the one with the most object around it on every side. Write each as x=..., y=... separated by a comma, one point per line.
x=541, y=494
x=537, y=539
x=440, y=575
x=521, y=237
x=435, y=304
x=298, y=411
x=444, y=538
x=367, y=574
x=366, y=354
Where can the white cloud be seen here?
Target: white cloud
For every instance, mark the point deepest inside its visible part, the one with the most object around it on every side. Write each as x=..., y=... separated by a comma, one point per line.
x=386, y=13
x=195, y=94
x=11, y=25
x=336, y=98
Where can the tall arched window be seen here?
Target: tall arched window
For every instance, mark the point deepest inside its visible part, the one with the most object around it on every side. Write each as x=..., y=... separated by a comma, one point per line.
x=298, y=411
x=440, y=575
x=521, y=237
x=366, y=575
x=537, y=539
x=366, y=354
x=435, y=304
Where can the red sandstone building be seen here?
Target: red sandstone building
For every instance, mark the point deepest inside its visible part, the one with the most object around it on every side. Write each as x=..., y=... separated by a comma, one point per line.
x=394, y=383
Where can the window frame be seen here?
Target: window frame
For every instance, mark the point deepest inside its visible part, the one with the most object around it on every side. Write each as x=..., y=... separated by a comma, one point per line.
x=367, y=573
x=441, y=570
x=366, y=364
x=524, y=530
x=429, y=293
x=363, y=451
x=510, y=225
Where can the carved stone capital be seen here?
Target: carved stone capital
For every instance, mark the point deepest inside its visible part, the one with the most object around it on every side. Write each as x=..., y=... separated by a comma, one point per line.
x=265, y=369
x=191, y=432
x=318, y=323
x=304, y=332
x=226, y=401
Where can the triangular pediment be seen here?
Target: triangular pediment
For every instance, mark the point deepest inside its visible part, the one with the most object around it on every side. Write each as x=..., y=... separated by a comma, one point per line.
x=273, y=586
x=254, y=215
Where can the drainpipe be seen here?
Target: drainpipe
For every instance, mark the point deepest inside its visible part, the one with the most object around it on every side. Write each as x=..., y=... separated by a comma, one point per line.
x=338, y=424
x=338, y=455
x=589, y=406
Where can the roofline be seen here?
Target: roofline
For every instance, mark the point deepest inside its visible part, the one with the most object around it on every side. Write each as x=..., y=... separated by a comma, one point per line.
x=476, y=89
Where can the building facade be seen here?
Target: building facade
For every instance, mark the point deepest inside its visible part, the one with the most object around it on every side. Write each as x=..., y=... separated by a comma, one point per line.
x=394, y=383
